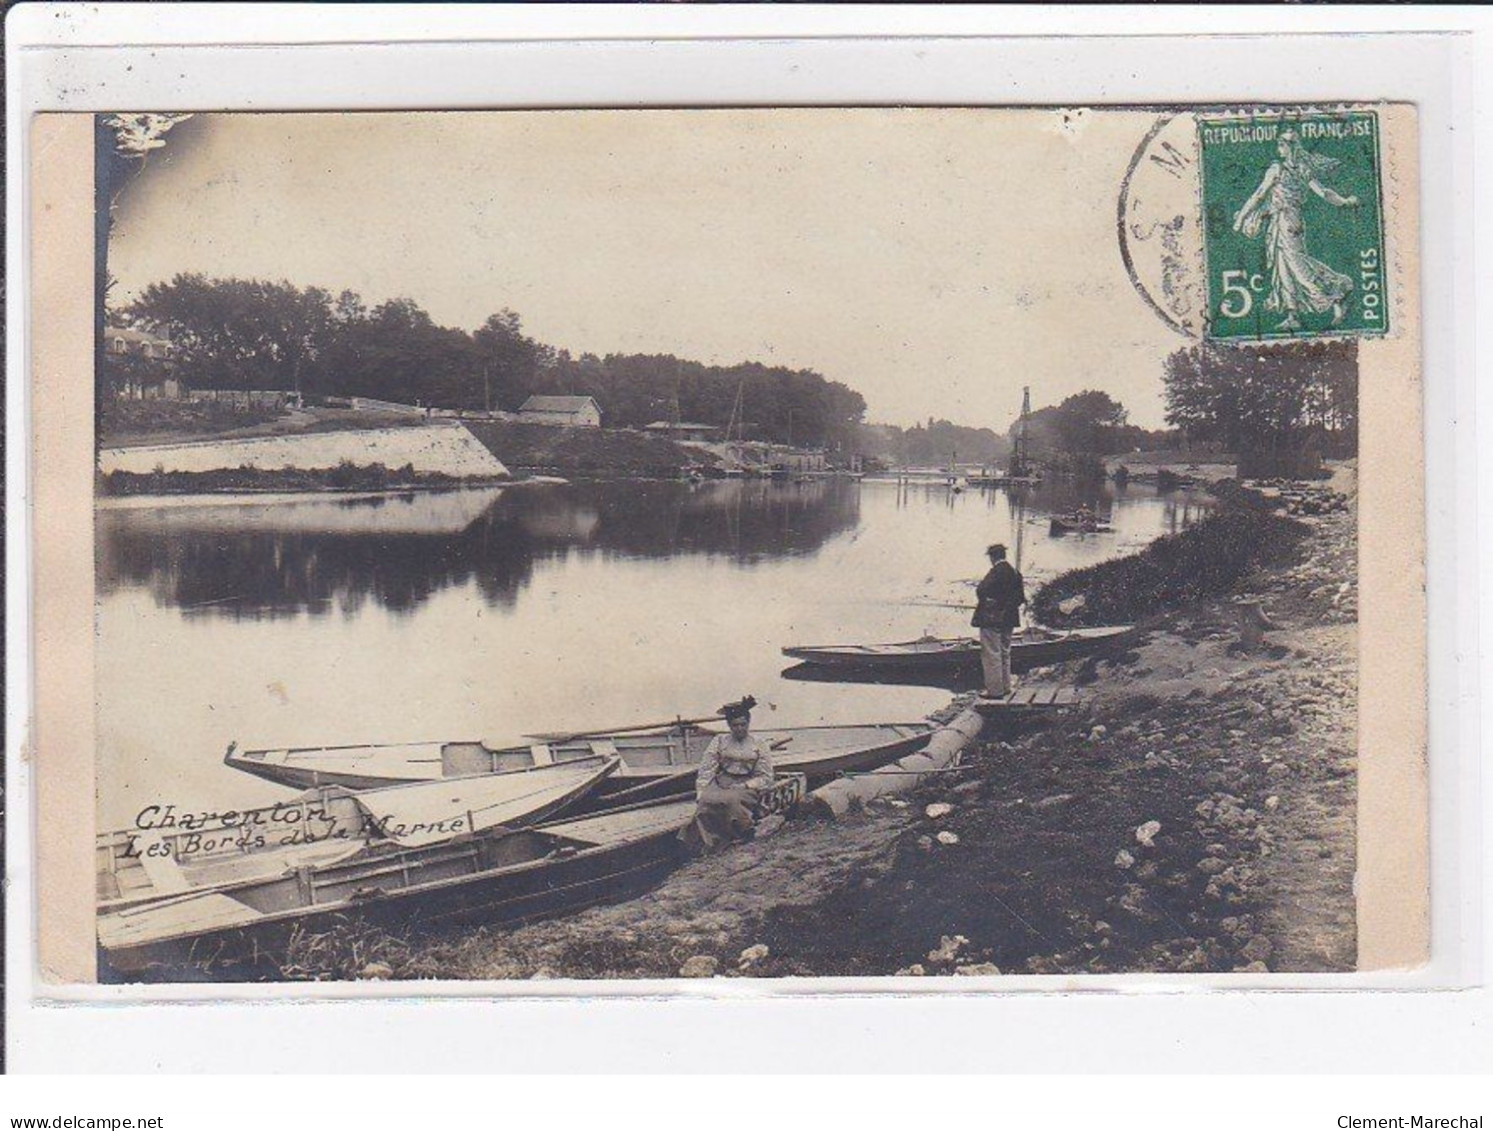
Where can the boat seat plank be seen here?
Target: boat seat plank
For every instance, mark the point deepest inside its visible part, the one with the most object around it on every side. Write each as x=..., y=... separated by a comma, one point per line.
x=164, y=873
x=209, y=911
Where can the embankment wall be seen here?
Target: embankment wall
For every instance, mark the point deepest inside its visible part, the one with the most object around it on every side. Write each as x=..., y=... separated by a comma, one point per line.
x=447, y=448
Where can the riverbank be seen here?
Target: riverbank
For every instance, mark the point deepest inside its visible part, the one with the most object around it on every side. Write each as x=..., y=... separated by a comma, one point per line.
x=1197, y=813
x=587, y=452
x=345, y=478
x=537, y=449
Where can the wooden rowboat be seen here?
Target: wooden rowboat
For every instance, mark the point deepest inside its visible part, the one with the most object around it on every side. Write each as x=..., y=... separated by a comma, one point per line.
x=1030, y=648
x=169, y=853
x=656, y=757
x=494, y=877
x=1067, y=524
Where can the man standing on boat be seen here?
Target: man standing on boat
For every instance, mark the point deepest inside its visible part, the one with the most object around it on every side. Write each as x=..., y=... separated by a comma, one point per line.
x=1001, y=594
x=734, y=770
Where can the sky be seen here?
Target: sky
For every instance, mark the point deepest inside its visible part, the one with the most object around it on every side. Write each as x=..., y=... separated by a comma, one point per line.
x=934, y=260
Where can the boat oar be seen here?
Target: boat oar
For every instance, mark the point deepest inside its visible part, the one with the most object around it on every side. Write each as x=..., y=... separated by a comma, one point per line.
x=609, y=731
x=650, y=788
x=933, y=605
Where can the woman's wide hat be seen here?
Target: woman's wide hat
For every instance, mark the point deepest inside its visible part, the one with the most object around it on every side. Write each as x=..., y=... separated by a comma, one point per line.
x=739, y=709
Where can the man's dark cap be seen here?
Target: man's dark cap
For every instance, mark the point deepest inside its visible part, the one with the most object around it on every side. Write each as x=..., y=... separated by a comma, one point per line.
x=998, y=548
x=740, y=709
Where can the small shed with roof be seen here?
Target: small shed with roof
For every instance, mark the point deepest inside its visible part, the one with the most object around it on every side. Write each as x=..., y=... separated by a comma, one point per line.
x=568, y=412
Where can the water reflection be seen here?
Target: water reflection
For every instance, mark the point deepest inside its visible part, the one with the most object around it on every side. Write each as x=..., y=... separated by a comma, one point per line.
x=266, y=557
x=494, y=614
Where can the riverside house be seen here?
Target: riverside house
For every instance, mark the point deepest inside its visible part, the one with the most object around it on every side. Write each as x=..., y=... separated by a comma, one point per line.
x=145, y=364
x=569, y=412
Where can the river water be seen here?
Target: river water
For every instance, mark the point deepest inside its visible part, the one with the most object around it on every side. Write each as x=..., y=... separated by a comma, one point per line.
x=492, y=613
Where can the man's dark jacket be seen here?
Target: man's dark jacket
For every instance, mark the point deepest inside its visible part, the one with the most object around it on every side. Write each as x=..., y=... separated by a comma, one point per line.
x=1001, y=594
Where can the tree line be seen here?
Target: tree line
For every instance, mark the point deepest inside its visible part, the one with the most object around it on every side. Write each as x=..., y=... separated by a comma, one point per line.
x=254, y=334
x=1089, y=423
x=1282, y=400
x=934, y=444
x=1281, y=408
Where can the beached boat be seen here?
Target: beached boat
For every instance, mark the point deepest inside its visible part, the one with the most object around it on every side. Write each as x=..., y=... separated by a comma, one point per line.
x=655, y=761
x=1030, y=648
x=1073, y=524
x=494, y=877
x=170, y=852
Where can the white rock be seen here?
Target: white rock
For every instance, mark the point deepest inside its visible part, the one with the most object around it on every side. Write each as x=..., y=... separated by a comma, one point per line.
x=978, y=970
x=753, y=954
x=938, y=809
x=769, y=825
x=1072, y=604
x=1272, y=802
x=1147, y=833
x=948, y=948
x=1123, y=859
x=1098, y=732
x=897, y=803
x=700, y=966
x=947, y=837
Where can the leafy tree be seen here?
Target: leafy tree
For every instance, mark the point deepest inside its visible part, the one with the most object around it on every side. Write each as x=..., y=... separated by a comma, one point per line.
x=1087, y=423
x=239, y=333
x=1269, y=399
x=125, y=371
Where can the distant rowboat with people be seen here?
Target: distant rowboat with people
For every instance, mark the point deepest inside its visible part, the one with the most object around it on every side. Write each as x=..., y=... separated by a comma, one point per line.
x=1078, y=524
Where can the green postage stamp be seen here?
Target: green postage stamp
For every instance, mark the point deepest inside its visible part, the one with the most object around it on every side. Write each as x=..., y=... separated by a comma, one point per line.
x=1293, y=229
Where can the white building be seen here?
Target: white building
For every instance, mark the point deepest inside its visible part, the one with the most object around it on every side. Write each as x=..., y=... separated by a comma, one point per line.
x=569, y=412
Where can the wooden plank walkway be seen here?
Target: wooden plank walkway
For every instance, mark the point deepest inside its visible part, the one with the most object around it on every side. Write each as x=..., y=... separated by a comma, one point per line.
x=1031, y=697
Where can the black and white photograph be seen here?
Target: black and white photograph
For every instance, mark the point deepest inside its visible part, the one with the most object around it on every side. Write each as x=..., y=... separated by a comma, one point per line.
x=733, y=544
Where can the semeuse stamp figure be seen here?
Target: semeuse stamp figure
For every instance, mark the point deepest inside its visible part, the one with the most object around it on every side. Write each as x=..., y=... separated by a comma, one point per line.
x=1297, y=281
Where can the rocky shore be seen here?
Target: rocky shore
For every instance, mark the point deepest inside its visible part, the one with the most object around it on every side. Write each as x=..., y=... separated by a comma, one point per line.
x=1196, y=813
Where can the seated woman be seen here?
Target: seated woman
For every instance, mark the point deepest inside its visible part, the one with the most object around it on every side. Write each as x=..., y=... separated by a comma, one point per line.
x=734, y=770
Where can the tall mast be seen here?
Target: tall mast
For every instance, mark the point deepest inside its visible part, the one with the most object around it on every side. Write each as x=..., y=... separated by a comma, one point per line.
x=674, y=420
x=736, y=422
x=1018, y=455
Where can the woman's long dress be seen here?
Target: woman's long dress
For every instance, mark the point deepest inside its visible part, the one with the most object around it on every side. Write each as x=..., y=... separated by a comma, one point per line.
x=731, y=778
x=1297, y=281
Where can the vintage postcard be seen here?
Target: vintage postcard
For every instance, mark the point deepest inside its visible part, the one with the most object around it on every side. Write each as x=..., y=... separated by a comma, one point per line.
x=906, y=544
